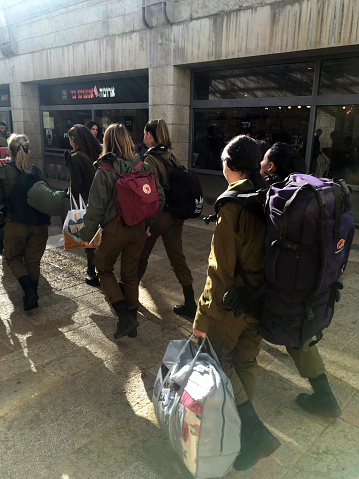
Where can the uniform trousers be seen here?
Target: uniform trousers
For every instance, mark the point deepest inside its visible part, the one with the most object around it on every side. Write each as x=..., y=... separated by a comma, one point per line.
x=24, y=246
x=307, y=360
x=237, y=343
x=170, y=228
x=128, y=242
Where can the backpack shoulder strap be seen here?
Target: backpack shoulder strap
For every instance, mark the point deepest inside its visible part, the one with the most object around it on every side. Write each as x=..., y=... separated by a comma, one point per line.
x=252, y=200
x=108, y=169
x=162, y=160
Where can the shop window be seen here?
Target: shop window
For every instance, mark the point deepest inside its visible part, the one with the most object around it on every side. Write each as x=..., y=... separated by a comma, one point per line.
x=56, y=125
x=339, y=76
x=213, y=128
x=294, y=79
x=134, y=121
x=338, y=149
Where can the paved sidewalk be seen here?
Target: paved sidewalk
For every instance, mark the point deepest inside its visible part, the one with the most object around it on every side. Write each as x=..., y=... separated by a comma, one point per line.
x=76, y=405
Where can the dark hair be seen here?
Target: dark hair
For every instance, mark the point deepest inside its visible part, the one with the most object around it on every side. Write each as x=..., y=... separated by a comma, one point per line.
x=85, y=141
x=2, y=123
x=244, y=154
x=159, y=131
x=90, y=124
x=286, y=160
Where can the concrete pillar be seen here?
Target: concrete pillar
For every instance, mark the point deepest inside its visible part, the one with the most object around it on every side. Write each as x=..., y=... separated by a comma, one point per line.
x=169, y=98
x=26, y=117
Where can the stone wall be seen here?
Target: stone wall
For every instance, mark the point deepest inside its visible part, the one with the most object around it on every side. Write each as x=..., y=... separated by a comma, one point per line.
x=78, y=39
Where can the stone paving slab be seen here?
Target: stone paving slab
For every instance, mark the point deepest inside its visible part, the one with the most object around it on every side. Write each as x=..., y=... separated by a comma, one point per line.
x=76, y=405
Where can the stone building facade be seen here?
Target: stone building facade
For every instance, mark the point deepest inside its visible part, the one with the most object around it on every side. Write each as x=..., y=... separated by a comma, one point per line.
x=210, y=69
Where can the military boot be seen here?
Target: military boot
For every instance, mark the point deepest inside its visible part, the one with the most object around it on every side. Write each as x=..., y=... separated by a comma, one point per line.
x=127, y=322
x=133, y=333
x=257, y=441
x=91, y=278
x=322, y=402
x=30, y=289
x=188, y=308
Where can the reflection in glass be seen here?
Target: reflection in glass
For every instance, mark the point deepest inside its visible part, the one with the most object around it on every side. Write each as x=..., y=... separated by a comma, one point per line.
x=213, y=128
x=294, y=79
x=134, y=121
x=339, y=76
x=339, y=142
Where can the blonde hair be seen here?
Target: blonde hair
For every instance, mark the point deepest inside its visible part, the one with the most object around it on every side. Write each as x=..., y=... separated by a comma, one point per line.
x=118, y=140
x=159, y=131
x=19, y=150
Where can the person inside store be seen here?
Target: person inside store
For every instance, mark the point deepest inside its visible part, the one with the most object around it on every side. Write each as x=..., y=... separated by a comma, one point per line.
x=141, y=149
x=26, y=229
x=85, y=151
x=117, y=238
x=4, y=134
x=95, y=130
x=167, y=226
x=316, y=151
x=238, y=237
x=279, y=162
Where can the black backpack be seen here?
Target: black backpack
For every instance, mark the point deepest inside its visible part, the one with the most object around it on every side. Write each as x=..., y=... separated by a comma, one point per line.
x=184, y=199
x=19, y=208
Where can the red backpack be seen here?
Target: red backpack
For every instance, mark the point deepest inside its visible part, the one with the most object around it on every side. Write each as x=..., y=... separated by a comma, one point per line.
x=137, y=195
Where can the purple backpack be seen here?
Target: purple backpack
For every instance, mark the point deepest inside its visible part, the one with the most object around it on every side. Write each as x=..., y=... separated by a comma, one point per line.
x=310, y=230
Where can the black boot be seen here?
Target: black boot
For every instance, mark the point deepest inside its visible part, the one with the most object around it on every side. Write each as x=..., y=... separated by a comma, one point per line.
x=91, y=278
x=30, y=289
x=126, y=320
x=322, y=402
x=188, y=308
x=133, y=333
x=257, y=441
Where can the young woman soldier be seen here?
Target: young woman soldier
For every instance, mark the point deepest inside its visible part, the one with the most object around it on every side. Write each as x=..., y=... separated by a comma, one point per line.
x=157, y=139
x=26, y=229
x=117, y=238
x=238, y=238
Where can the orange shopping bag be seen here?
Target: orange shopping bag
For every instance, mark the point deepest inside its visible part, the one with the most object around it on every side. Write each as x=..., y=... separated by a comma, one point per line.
x=73, y=223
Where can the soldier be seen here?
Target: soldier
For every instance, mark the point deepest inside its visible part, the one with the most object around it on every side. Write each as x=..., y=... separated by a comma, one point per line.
x=157, y=139
x=280, y=161
x=238, y=237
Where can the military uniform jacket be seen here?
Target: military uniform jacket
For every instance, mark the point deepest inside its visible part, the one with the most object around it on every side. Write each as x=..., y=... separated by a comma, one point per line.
x=161, y=171
x=101, y=207
x=238, y=236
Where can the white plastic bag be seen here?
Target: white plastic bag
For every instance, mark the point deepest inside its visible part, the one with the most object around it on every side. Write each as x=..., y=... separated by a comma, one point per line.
x=73, y=223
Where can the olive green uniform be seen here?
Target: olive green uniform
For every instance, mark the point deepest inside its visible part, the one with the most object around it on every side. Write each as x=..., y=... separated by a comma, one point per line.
x=238, y=237
x=166, y=225
x=116, y=238
x=24, y=244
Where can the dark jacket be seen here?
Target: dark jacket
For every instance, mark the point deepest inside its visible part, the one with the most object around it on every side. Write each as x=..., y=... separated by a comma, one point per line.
x=82, y=173
x=101, y=207
x=239, y=236
x=14, y=194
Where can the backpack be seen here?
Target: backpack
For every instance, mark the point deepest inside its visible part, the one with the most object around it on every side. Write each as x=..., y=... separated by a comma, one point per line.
x=310, y=230
x=19, y=208
x=184, y=198
x=194, y=404
x=137, y=195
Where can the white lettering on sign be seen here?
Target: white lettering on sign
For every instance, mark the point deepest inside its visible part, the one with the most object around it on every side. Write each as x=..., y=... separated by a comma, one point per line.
x=105, y=92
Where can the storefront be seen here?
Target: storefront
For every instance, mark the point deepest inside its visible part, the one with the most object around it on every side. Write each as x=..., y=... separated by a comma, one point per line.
x=5, y=106
x=123, y=100
x=291, y=101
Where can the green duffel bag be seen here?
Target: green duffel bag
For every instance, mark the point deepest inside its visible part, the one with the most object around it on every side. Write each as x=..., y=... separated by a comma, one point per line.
x=45, y=199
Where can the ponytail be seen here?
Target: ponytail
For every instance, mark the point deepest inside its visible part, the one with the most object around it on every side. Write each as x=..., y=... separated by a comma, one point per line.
x=159, y=131
x=19, y=149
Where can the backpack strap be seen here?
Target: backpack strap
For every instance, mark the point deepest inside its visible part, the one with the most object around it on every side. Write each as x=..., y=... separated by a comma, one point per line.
x=162, y=160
